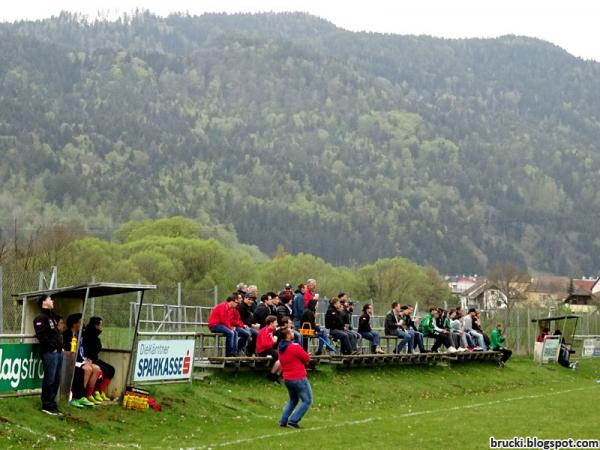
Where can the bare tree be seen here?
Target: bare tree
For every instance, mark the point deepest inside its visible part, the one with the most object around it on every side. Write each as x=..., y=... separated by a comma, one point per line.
x=512, y=281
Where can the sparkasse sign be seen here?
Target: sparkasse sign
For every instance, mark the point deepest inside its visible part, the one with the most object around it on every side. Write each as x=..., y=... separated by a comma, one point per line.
x=20, y=367
x=163, y=360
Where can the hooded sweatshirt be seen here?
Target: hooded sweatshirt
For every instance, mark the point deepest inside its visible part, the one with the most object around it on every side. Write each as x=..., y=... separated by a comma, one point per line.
x=91, y=342
x=293, y=360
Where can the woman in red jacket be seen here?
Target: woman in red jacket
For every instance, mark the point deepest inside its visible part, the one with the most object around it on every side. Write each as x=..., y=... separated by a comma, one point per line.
x=293, y=360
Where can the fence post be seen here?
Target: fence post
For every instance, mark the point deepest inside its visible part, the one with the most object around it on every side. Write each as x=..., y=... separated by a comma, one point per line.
x=41, y=281
x=518, y=331
x=179, y=306
x=216, y=294
x=1, y=301
x=528, y=332
x=54, y=278
x=92, y=300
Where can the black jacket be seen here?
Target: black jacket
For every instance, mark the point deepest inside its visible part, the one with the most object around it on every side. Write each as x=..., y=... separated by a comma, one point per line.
x=46, y=331
x=333, y=320
x=90, y=340
x=392, y=325
x=283, y=311
x=346, y=318
x=246, y=314
x=409, y=323
x=309, y=316
x=260, y=314
x=364, y=323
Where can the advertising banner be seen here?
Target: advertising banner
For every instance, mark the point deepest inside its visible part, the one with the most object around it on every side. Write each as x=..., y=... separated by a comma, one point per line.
x=158, y=360
x=20, y=367
x=591, y=347
x=551, y=348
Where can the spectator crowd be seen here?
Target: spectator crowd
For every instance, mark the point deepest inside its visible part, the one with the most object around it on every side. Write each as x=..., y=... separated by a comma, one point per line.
x=255, y=326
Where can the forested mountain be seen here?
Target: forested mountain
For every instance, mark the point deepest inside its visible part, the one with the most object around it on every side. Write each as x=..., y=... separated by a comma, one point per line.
x=349, y=146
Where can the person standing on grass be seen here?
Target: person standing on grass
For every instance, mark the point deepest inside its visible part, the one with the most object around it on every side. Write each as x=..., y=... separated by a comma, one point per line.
x=293, y=361
x=51, y=347
x=497, y=344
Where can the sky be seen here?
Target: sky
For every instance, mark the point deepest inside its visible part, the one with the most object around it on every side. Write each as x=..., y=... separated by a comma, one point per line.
x=571, y=24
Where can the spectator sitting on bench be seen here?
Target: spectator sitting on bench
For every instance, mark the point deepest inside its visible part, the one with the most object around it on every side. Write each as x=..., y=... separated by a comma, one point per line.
x=245, y=309
x=545, y=332
x=265, y=343
x=564, y=353
x=497, y=344
x=285, y=310
x=265, y=308
x=477, y=327
x=365, y=330
x=393, y=326
x=92, y=346
x=219, y=322
x=308, y=316
x=458, y=328
x=409, y=325
x=241, y=329
x=333, y=321
x=86, y=373
x=443, y=322
x=430, y=329
x=468, y=324
x=346, y=313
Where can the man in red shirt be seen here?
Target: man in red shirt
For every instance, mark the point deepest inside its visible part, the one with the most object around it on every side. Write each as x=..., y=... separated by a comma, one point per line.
x=239, y=327
x=219, y=321
x=293, y=360
x=309, y=293
x=265, y=341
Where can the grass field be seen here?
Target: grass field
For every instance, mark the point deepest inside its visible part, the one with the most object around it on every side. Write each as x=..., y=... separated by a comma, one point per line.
x=440, y=407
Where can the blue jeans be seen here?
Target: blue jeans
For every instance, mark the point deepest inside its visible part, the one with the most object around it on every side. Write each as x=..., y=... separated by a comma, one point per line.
x=344, y=339
x=297, y=337
x=52, y=362
x=406, y=339
x=371, y=336
x=230, y=339
x=479, y=337
x=243, y=336
x=299, y=390
x=325, y=335
x=417, y=340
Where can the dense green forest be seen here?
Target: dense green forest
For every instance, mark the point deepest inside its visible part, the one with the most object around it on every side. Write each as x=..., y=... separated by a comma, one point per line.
x=284, y=130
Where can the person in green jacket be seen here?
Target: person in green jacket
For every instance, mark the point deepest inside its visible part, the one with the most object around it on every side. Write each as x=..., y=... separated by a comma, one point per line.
x=497, y=343
x=430, y=329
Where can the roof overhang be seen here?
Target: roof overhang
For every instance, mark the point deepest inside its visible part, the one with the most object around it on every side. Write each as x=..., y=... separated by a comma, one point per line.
x=554, y=318
x=91, y=290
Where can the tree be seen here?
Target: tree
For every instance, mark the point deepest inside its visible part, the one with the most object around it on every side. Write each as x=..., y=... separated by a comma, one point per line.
x=512, y=281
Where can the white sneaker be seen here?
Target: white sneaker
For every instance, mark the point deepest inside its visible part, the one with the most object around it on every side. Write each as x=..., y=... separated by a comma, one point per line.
x=461, y=349
x=451, y=349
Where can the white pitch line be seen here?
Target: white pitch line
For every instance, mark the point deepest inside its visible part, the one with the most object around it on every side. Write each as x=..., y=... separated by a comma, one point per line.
x=387, y=417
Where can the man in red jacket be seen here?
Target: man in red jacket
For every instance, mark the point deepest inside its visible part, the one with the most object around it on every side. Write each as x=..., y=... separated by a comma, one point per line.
x=309, y=293
x=265, y=341
x=239, y=327
x=219, y=321
x=293, y=361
